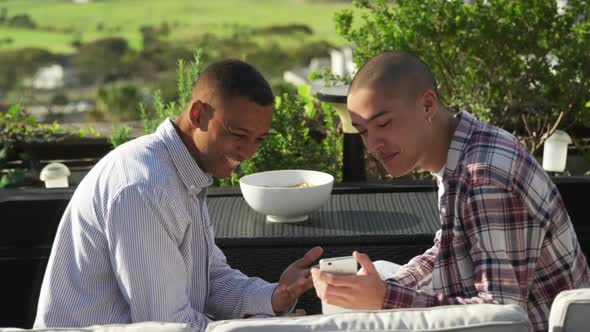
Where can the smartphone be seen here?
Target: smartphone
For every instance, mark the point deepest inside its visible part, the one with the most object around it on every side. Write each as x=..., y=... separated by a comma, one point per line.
x=337, y=265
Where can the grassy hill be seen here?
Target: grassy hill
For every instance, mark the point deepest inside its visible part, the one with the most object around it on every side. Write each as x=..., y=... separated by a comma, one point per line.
x=61, y=22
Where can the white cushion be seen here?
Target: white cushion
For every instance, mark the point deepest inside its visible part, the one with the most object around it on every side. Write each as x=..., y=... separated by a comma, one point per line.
x=570, y=311
x=473, y=317
x=14, y=329
x=135, y=327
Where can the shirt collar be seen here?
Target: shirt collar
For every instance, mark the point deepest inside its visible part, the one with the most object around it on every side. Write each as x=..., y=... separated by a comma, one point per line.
x=440, y=174
x=467, y=124
x=193, y=177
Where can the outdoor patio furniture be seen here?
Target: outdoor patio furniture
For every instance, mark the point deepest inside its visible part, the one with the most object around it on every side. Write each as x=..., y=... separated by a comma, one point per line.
x=136, y=327
x=568, y=314
x=468, y=318
x=391, y=222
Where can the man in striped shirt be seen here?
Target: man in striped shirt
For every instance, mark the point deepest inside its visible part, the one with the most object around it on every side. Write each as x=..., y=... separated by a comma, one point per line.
x=135, y=242
x=505, y=234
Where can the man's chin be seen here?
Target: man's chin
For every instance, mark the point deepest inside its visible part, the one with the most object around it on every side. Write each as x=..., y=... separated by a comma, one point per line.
x=397, y=173
x=223, y=172
x=221, y=175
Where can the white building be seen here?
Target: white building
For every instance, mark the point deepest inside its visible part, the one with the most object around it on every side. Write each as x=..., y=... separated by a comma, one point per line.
x=339, y=63
x=48, y=78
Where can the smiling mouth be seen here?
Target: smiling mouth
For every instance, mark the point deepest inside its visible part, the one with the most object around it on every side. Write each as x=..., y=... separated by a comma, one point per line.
x=389, y=157
x=233, y=164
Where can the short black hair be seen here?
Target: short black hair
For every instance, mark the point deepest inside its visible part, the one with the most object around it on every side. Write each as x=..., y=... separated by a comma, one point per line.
x=232, y=78
x=397, y=73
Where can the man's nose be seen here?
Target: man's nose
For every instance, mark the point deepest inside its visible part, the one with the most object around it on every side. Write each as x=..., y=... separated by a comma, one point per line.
x=374, y=144
x=247, y=149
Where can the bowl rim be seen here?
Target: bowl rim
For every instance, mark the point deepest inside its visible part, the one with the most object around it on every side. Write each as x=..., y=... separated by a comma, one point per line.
x=331, y=177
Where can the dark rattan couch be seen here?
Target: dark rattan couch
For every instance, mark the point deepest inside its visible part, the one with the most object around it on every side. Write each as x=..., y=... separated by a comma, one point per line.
x=388, y=221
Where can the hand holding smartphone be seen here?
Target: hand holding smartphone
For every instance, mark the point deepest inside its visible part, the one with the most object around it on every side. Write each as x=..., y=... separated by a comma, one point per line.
x=346, y=265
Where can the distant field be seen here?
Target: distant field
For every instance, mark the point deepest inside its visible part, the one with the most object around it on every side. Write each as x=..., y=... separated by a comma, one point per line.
x=189, y=18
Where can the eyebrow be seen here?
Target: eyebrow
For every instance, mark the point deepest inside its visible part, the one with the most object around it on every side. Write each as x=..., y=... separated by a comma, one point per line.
x=229, y=125
x=371, y=118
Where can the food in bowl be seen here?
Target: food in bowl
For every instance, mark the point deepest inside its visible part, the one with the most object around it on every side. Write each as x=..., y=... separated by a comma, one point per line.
x=302, y=185
x=287, y=195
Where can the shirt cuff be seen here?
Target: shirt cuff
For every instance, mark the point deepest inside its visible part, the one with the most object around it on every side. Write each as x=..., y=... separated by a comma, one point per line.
x=398, y=296
x=260, y=303
x=405, y=277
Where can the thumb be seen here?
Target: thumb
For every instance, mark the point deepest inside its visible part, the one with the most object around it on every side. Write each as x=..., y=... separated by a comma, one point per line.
x=365, y=262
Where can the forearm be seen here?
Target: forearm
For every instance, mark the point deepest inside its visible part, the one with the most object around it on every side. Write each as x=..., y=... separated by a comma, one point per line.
x=417, y=273
x=234, y=295
x=398, y=296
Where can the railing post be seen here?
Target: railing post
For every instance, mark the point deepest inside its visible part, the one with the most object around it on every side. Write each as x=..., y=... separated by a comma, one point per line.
x=353, y=154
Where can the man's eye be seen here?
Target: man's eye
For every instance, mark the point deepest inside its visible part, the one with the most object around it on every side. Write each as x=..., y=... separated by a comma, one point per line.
x=239, y=135
x=383, y=125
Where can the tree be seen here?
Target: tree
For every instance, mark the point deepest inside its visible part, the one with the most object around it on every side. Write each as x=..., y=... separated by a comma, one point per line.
x=16, y=64
x=105, y=60
x=522, y=65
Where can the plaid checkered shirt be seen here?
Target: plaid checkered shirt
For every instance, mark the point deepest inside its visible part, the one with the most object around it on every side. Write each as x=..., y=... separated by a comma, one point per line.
x=505, y=234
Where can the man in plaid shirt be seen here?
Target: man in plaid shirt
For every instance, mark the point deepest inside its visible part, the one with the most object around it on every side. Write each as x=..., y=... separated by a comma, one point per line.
x=505, y=234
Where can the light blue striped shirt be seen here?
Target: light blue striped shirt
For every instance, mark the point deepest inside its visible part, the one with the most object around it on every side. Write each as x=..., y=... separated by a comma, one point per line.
x=135, y=244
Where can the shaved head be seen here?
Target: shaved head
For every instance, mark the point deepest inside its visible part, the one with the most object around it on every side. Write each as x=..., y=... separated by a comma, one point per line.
x=396, y=74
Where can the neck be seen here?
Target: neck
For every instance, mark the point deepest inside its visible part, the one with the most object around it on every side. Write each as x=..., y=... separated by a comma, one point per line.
x=443, y=129
x=185, y=131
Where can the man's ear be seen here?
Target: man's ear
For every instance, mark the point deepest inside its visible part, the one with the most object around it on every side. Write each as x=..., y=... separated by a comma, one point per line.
x=198, y=115
x=429, y=102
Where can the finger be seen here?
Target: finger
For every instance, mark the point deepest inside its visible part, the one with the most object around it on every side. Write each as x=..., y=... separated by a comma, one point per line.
x=306, y=273
x=317, y=282
x=301, y=286
x=311, y=256
x=365, y=262
x=315, y=273
x=297, y=313
x=339, y=280
x=336, y=299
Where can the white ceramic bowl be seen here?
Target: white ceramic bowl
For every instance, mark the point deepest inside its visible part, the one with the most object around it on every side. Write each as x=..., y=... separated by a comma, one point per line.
x=271, y=193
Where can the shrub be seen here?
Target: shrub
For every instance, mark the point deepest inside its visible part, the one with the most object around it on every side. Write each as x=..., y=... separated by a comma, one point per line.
x=521, y=65
x=286, y=29
x=21, y=21
x=304, y=135
x=104, y=60
x=59, y=99
x=19, y=126
x=186, y=79
x=160, y=56
x=20, y=63
x=119, y=135
x=283, y=87
x=118, y=103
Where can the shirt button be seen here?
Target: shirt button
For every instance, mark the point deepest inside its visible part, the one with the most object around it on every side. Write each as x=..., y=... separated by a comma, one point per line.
x=192, y=187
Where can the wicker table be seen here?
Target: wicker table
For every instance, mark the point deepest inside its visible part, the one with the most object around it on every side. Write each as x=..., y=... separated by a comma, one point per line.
x=393, y=226
x=390, y=221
